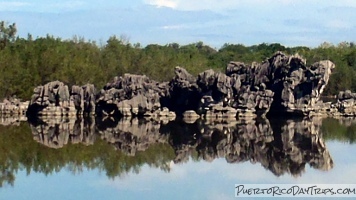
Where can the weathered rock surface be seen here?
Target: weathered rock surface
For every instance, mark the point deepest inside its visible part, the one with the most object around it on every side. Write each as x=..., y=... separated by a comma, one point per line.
x=84, y=98
x=13, y=107
x=52, y=98
x=55, y=99
x=133, y=95
x=345, y=105
x=282, y=83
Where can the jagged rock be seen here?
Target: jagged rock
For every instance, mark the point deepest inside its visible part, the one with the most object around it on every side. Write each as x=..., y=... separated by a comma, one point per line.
x=221, y=112
x=13, y=107
x=52, y=93
x=298, y=87
x=51, y=99
x=133, y=95
x=84, y=98
x=345, y=104
x=184, y=92
x=282, y=83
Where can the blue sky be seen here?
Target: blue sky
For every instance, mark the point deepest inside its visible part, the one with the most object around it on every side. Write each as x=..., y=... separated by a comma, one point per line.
x=215, y=22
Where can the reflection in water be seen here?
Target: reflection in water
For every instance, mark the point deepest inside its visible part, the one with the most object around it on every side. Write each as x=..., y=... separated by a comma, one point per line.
x=341, y=129
x=118, y=147
x=56, y=132
x=283, y=147
x=131, y=136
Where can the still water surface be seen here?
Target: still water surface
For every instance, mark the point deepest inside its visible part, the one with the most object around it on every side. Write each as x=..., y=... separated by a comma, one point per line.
x=130, y=159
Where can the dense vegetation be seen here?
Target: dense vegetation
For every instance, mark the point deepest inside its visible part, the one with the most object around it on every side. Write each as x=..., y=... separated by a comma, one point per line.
x=28, y=62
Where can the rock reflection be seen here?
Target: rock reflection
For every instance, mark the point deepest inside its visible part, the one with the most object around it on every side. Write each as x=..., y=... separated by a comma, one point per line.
x=56, y=132
x=12, y=120
x=285, y=148
x=279, y=146
x=132, y=135
x=301, y=142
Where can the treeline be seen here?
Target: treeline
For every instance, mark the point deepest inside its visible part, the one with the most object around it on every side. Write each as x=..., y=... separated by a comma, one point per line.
x=27, y=62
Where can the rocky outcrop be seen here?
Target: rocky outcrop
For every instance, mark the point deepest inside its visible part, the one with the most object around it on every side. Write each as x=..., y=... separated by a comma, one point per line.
x=84, y=99
x=13, y=107
x=282, y=83
x=55, y=99
x=345, y=105
x=183, y=92
x=133, y=95
x=51, y=99
x=300, y=86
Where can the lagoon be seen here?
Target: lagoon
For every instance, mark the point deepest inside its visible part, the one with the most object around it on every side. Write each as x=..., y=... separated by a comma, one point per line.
x=129, y=159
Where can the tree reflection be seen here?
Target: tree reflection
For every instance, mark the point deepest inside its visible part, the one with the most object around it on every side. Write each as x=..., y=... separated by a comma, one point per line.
x=118, y=147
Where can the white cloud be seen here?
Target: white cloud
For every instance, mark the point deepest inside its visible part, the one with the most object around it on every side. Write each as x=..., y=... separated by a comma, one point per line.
x=220, y=5
x=12, y=5
x=163, y=3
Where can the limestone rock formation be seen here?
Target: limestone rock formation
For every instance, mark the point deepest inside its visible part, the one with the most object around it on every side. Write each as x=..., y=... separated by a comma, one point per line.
x=55, y=99
x=183, y=92
x=13, y=107
x=52, y=98
x=132, y=95
x=84, y=98
x=297, y=86
x=282, y=83
x=344, y=105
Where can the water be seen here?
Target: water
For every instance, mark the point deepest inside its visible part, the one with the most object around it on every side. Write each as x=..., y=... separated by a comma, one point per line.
x=131, y=159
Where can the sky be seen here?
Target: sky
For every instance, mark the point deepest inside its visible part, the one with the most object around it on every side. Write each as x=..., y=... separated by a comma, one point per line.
x=214, y=22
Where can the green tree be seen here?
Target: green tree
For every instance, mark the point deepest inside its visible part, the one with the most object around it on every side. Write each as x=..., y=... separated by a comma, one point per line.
x=7, y=33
